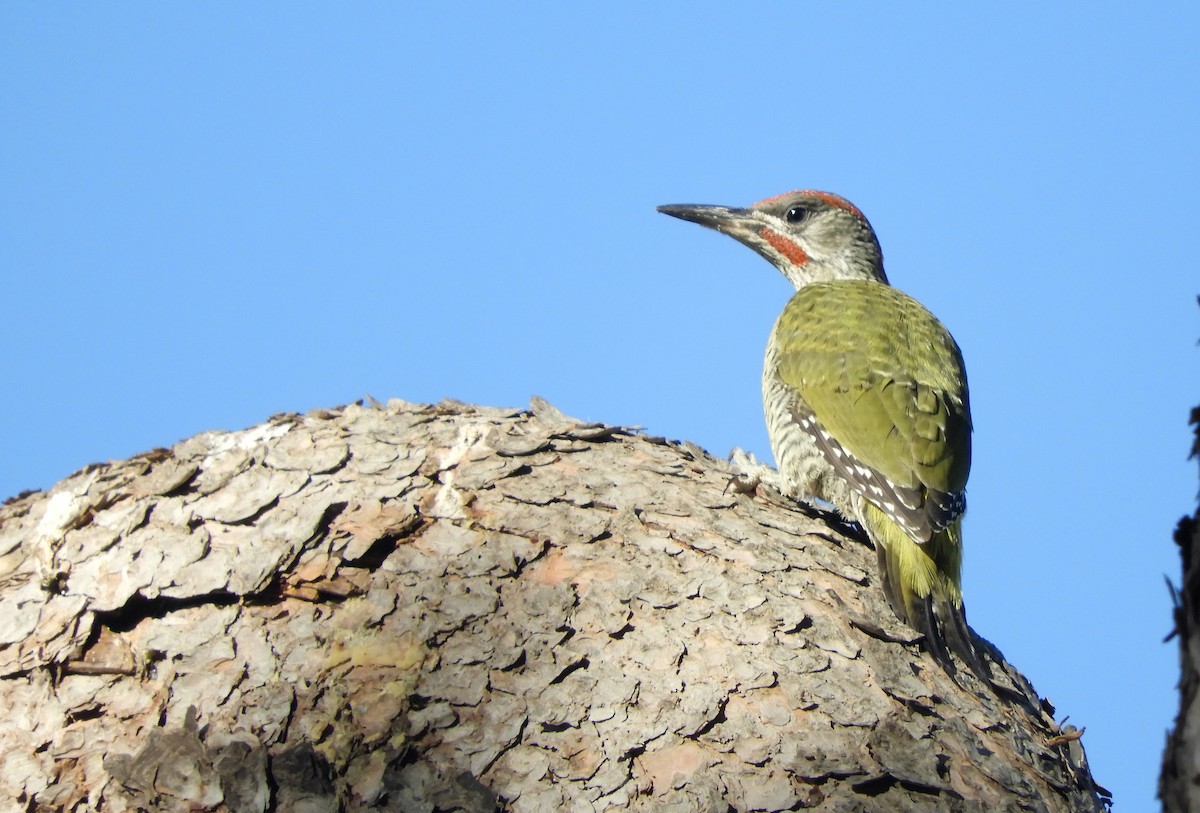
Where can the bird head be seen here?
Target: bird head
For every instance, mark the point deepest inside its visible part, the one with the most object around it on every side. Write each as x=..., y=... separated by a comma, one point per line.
x=809, y=236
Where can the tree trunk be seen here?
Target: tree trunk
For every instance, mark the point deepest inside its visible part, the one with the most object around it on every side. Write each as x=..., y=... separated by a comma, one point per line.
x=1179, y=783
x=437, y=608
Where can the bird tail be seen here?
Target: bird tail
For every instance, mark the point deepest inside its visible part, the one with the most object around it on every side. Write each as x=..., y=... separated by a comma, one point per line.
x=922, y=582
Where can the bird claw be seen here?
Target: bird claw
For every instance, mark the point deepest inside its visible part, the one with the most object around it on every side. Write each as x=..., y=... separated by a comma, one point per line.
x=749, y=474
x=743, y=482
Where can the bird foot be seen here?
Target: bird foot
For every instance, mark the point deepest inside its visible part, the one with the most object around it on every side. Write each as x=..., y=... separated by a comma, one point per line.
x=749, y=474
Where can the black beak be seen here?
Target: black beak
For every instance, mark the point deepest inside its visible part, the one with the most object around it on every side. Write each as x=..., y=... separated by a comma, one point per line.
x=722, y=218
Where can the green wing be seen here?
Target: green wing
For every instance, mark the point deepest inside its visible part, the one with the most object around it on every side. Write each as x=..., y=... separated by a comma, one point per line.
x=885, y=381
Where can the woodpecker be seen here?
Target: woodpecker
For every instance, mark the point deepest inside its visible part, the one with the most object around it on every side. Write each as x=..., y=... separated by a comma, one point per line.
x=866, y=402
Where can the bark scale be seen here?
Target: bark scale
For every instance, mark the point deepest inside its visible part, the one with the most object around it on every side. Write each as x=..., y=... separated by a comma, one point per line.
x=418, y=608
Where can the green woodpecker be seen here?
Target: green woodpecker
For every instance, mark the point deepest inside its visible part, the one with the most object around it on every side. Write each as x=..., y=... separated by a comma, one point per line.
x=866, y=401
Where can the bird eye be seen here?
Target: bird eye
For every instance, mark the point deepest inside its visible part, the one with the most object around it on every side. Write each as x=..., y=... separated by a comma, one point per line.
x=797, y=214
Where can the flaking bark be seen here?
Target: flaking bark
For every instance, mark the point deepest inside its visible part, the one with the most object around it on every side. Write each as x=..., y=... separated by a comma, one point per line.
x=420, y=608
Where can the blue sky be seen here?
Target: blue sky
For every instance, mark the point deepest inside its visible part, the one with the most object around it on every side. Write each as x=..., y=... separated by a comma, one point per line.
x=214, y=212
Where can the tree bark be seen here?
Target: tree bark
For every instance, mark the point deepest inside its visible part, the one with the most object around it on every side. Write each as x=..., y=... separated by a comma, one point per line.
x=1179, y=783
x=436, y=608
